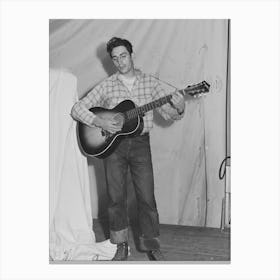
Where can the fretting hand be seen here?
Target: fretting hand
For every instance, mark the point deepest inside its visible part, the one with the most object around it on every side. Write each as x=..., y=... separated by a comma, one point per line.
x=178, y=102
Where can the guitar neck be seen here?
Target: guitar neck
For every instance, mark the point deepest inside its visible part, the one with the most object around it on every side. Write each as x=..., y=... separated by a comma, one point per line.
x=134, y=113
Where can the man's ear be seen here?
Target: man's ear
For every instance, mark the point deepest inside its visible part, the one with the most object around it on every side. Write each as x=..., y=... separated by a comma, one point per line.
x=133, y=55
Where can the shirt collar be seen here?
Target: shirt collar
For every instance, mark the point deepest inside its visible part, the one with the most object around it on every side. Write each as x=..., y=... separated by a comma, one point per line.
x=138, y=75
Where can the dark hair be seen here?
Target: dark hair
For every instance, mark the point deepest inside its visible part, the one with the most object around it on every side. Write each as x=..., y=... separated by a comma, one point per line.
x=116, y=42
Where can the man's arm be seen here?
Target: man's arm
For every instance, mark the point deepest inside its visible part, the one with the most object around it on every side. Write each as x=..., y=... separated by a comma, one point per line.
x=80, y=111
x=176, y=110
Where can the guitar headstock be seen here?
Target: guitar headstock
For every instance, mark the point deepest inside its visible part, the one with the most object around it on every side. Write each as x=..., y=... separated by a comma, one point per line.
x=197, y=90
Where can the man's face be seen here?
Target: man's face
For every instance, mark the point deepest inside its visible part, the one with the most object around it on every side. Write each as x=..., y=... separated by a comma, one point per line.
x=122, y=59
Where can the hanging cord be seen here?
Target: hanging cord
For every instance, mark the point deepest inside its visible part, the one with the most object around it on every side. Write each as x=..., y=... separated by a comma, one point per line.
x=226, y=199
x=164, y=82
x=223, y=167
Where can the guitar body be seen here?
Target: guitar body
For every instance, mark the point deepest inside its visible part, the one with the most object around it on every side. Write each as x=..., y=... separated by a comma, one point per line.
x=96, y=142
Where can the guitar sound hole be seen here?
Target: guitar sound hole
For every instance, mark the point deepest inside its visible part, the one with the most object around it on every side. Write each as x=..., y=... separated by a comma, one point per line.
x=106, y=134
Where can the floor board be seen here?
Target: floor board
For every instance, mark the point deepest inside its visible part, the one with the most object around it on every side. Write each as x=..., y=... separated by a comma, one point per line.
x=179, y=243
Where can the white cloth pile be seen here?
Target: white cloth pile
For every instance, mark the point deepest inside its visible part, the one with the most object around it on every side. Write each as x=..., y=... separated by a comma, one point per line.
x=71, y=233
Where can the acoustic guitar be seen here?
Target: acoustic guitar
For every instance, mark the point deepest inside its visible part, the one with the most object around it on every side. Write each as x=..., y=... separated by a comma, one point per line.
x=96, y=142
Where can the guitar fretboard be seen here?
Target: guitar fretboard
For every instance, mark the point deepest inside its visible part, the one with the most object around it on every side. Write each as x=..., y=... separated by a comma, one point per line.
x=191, y=90
x=134, y=113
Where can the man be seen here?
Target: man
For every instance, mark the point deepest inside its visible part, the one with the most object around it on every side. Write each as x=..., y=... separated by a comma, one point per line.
x=133, y=152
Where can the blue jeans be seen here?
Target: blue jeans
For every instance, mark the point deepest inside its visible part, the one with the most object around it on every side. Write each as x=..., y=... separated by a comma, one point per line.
x=135, y=153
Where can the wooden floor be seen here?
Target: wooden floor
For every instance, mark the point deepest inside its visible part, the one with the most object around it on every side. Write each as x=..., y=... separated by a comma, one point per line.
x=179, y=243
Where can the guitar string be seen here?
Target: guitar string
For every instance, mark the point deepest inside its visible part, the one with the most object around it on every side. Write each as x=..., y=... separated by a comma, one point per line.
x=135, y=112
x=147, y=107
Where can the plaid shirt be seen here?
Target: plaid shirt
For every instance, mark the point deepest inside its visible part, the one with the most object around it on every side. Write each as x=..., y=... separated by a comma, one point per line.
x=112, y=91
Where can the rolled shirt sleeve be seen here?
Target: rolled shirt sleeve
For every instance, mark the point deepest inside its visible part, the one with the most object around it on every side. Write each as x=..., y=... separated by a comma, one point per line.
x=80, y=110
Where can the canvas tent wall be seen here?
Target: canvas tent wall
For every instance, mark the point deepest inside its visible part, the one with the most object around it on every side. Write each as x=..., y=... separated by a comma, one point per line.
x=186, y=154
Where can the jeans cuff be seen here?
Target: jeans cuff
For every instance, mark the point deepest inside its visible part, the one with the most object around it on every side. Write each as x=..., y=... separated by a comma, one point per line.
x=147, y=244
x=119, y=236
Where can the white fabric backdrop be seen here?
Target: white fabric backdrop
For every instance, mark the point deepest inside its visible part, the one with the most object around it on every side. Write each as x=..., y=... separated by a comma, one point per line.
x=71, y=234
x=186, y=154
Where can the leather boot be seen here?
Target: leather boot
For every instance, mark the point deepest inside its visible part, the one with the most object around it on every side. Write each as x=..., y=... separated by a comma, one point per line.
x=156, y=255
x=122, y=252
